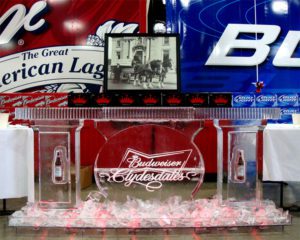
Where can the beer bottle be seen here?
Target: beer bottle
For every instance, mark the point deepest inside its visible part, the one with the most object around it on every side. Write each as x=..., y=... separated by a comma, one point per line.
x=240, y=167
x=58, y=167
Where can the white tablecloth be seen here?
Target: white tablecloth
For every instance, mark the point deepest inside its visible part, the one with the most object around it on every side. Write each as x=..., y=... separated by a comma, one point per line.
x=281, y=153
x=16, y=162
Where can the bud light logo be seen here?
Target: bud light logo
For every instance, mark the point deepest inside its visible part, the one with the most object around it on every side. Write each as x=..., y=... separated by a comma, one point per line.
x=243, y=100
x=289, y=111
x=266, y=100
x=286, y=115
x=227, y=59
x=287, y=100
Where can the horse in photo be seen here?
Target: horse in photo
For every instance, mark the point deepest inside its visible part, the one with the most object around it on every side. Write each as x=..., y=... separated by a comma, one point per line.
x=166, y=65
x=143, y=73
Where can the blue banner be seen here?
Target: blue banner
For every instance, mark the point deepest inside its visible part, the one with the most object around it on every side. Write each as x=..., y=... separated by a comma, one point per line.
x=235, y=45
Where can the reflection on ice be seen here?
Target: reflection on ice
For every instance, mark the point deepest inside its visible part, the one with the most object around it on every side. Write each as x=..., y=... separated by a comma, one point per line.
x=137, y=213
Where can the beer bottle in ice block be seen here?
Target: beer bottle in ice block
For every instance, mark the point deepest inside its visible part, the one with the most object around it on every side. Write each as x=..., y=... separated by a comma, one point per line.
x=58, y=166
x=240, y=167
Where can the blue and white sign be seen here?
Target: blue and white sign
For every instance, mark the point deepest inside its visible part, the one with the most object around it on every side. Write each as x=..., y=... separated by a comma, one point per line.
x=231, y=45
x=266, y=100
x=287, y=100
x=243, y=100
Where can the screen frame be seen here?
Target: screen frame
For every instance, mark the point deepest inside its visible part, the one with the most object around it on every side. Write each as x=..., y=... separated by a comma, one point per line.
x=174, y=47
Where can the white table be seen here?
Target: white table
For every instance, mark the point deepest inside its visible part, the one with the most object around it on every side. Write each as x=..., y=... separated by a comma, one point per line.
x=16, y=162
x=281, y=153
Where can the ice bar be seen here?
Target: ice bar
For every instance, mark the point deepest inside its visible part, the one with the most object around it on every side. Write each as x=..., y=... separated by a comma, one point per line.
x=149, y=169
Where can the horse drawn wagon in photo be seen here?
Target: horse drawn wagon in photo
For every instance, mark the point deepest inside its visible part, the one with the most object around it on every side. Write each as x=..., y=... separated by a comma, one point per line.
x=142, y=62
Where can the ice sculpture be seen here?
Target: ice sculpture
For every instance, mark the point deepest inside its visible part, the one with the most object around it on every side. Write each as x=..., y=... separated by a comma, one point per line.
x=148, y=157
x=149, y=169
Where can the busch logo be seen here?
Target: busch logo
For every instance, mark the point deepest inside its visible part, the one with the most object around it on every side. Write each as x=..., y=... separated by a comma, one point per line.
x=243, y=99
x=150, y=170
x=229, y=41
x=19, y=18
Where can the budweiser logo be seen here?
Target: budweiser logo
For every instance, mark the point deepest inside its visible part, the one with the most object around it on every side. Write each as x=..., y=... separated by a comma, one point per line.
x=150, y=170
x=19, y=17
x=7, y=101
x=135, y=159
x=40, y=101
x=58, y=101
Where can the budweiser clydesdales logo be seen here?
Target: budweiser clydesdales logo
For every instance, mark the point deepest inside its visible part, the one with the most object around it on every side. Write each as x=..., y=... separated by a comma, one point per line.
x=150, y=170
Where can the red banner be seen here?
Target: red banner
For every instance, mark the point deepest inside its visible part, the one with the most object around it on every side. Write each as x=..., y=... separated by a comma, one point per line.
x=58, y=45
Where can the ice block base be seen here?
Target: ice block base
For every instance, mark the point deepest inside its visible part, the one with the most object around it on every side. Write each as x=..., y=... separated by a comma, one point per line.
x=139, y=214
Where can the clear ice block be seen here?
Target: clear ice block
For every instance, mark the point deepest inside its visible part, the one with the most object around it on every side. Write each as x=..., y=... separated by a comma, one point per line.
x=149, y=169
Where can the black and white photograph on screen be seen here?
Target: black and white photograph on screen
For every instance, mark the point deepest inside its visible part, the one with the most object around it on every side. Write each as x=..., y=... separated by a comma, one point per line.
x=141, y=62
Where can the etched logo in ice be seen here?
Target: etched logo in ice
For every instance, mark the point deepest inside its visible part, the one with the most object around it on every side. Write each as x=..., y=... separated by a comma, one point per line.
x=151, y=170
x=138, y=158
x=111, y=26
